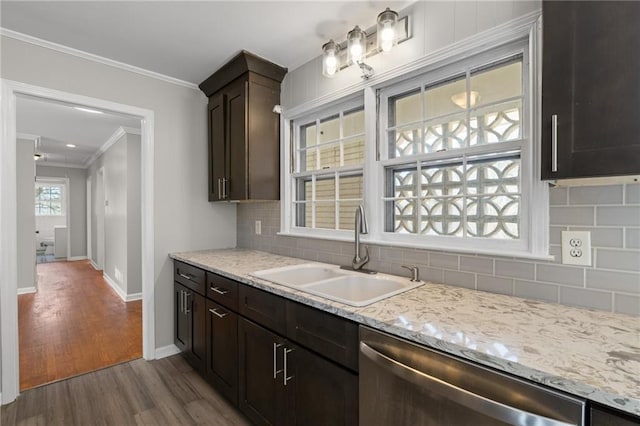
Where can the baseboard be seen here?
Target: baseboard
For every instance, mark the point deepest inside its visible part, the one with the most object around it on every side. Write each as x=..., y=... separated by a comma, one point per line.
x=115, y=286
x=93, y=264
x=26, y=290
x=75, y=258
x=166, y=351
x=134, y=296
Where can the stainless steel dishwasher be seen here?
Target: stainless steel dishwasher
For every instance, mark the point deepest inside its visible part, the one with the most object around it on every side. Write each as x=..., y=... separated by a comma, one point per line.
x=402, y=383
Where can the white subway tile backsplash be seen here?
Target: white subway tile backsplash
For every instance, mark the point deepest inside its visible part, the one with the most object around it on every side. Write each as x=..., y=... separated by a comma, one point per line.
x=593, y=195
x=560, y=274
x=612, y=283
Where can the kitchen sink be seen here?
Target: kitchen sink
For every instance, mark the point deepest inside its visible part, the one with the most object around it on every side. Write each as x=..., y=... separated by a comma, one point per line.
x=328, y=281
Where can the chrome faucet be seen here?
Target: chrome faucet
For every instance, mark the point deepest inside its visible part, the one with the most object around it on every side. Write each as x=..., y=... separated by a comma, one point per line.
x=360, y=228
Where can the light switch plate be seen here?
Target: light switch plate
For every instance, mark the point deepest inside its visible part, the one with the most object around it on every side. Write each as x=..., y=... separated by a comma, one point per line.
x=576, y=248
x=258, y=227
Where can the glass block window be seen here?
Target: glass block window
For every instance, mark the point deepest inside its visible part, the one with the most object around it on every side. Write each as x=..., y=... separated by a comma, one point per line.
x=49, y=199
x=453, y=154
x=328, y=176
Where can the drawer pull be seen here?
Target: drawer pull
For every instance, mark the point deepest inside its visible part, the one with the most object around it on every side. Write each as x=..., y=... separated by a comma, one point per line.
x=286, y=376
x=219, y=290
x=275, y=358
x=186, y=276
x=215, y=312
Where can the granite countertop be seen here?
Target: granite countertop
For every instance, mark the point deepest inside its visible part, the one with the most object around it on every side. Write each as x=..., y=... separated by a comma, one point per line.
x=592, y=354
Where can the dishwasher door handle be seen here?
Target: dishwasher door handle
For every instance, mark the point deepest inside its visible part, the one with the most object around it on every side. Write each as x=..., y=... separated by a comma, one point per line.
x=478, y=403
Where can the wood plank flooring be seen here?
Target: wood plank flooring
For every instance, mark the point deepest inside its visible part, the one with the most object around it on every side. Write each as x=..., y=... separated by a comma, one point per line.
x=74, y=324
x=161, y=392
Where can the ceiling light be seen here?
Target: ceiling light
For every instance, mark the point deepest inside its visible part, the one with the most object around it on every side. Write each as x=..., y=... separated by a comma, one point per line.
x=330, y=59
x=70, y=145
x=460, y=99
x=89, y=110
x=37, y=156
x=387, y=22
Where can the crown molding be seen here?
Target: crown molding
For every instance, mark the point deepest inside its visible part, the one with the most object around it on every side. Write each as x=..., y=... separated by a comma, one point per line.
x=120, y=132
x=95, y=58
x=27, y=136
x=58, y=164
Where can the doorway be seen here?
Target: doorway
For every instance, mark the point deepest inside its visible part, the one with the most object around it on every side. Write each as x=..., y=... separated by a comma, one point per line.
x=8, y=215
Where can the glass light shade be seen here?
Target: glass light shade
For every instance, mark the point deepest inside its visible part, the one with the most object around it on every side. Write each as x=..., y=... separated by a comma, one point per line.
x=330, y=59
x=387, y=31
x=460, y=99
x=356, y=45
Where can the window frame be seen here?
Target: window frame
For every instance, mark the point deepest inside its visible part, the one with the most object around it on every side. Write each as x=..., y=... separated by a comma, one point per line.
x=63, y=196
x=525, y=35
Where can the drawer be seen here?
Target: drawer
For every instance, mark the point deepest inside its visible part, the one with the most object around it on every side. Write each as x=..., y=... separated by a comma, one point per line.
x=189, y=276
x=222, y=290
x=262, y=307
x=331, y=336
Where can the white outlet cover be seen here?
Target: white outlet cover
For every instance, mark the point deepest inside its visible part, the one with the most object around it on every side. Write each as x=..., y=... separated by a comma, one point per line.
x=576, y=248
x=258, y=227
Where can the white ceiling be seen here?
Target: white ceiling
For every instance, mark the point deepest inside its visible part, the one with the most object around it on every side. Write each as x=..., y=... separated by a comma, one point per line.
x=58, y=124
x=190, y=40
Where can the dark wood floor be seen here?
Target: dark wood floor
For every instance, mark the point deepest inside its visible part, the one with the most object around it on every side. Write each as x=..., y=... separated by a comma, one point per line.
x=74, y=324
x=161, y=392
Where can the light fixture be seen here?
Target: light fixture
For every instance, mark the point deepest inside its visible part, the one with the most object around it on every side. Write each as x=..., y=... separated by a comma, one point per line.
x=460, y=99
x=37, y=156
x=387, y=22
x=89, y=110
x=357, y=45
x=70, y=145
x=330, y=59
x=360, y=44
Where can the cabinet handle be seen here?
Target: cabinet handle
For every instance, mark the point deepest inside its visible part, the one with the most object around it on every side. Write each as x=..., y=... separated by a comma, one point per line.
x=224, y=188
x=219, y=188
x=275, y=358
x=554, y=143
x=286, y=378
x=219, y=290
x=186, y=303
x=181, y=302
x=186, y=276
x=215, y=312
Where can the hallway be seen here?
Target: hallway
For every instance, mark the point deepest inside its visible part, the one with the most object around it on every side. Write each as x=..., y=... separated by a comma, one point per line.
x=74, y=324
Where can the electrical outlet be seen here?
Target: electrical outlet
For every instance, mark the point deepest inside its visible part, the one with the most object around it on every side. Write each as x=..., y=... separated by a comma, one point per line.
x=576, y=248
x=258, y=227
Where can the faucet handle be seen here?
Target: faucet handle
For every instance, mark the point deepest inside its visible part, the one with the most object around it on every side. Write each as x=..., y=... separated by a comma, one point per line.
x=415, y=272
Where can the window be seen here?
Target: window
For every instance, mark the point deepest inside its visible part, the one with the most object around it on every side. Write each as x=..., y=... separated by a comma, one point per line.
x=447, y=159
x=328, y=177
x=49, y=199
x=454, y=149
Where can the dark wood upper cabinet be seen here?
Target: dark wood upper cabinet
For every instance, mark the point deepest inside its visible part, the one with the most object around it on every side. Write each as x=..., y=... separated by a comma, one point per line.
x=244, y=131
x=591, y=84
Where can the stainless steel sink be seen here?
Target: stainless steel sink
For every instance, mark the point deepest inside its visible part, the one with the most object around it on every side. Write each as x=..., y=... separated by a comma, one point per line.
x=328, y=281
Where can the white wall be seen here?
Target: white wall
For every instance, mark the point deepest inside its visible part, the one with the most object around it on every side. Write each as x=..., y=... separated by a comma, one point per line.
x=435, y=25
x=77, y=207
x=134, y=215
x=26, y=216
x=183, y=217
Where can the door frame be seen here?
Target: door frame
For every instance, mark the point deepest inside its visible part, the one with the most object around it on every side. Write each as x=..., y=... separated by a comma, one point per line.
x=9, y=366
x=89, y=212
x=100, y=198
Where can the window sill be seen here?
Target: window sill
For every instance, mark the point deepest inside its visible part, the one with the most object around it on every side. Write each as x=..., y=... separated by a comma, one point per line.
x=365, y=240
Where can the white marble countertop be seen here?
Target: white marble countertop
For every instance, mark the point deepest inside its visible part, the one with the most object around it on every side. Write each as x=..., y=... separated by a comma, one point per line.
x=592, y=354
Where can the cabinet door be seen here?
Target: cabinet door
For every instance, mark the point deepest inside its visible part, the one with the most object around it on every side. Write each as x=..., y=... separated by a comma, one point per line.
x=590, y=82
x=236, y=128
x=601, y=416
x=182, y=328
x=196, y=312
x=261, y=396
x=222, y=349
x=319, y=392
x=217, y=152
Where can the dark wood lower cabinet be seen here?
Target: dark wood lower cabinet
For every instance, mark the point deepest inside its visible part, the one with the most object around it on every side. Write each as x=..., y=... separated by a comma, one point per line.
x=261, y=397
x=190, y=336
x=222, y=349
x=603, y=416
x=319, y=392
